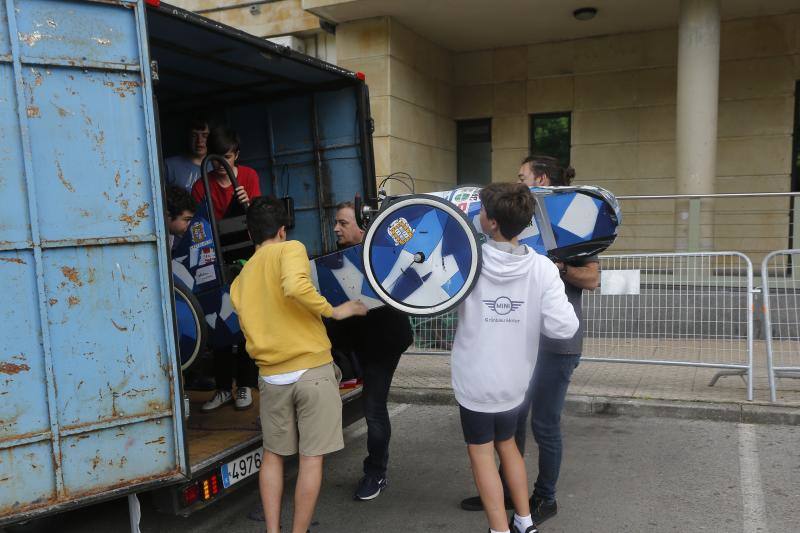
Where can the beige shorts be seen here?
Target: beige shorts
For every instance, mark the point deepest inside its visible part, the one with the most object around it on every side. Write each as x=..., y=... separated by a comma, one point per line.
x=305, y=416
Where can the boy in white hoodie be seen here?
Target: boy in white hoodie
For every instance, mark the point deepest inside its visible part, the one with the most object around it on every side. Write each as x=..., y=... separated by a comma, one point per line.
x=519, y=296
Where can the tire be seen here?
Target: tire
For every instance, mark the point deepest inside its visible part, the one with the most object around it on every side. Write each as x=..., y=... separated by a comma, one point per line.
x=385, y=254
x=191, y=325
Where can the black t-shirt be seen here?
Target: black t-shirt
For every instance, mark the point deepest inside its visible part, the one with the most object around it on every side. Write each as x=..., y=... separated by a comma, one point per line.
x=383, y=330
x=574, y=345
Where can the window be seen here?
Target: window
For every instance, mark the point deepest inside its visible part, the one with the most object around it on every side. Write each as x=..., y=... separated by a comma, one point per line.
x=551, y=134
x=474, y=151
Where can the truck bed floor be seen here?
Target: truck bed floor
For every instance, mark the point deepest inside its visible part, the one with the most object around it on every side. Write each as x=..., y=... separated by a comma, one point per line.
x=209, y=434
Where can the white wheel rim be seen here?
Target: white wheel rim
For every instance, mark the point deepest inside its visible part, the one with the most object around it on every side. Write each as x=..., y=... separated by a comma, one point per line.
x=475, y=257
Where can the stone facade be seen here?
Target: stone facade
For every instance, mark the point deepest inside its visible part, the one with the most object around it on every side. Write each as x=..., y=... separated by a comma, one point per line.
x=410, y=83
x=621, y=91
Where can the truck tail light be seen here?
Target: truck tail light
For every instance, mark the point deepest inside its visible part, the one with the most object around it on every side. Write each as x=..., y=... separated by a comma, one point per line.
x=361, y=76
x=210, y=486
x=214, y=484
x=191, y=494
x=154, y=3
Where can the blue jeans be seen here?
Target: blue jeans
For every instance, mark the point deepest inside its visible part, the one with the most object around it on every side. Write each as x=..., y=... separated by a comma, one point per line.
x=377, y=372
x=546, y=395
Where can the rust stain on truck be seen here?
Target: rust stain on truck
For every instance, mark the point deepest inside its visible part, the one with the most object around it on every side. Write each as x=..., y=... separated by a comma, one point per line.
x=137, y=217
x=13, y=368
x=72, y=275
x=62, y=179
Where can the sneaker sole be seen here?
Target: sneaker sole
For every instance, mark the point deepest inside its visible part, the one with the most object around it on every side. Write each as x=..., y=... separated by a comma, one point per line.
x=243, y=408
x=368, y=498
x=203, y=409
x=545, y=519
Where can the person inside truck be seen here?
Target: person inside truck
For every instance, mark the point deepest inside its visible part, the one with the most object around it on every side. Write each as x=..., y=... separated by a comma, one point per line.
x=225, y=141
x=181, y=208
x=378, y=340
x=281, y=313
x=227, y=362
x=184, y=170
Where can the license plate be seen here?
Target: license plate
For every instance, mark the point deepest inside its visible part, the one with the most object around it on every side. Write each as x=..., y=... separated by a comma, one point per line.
x=241, y=468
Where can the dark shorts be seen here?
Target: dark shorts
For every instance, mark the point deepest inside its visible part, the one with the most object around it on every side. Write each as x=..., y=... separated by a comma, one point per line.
x=482, y=428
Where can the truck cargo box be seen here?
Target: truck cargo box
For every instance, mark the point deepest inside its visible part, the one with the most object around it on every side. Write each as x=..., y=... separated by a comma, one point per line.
x=91, y=96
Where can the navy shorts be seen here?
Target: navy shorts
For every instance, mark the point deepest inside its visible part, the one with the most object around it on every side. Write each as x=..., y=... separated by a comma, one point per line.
x=482, y=428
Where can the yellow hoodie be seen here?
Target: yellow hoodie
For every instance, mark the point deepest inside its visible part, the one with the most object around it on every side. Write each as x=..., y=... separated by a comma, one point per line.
x=280, y=310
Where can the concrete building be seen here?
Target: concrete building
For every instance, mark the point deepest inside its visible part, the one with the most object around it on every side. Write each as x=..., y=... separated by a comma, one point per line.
x=643, y=97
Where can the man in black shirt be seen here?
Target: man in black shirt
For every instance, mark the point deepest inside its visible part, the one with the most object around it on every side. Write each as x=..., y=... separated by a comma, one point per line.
x=378, y=340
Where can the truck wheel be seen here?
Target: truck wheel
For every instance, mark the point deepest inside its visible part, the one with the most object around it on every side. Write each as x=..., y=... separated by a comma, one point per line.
x=192, y=333
x=421, y=255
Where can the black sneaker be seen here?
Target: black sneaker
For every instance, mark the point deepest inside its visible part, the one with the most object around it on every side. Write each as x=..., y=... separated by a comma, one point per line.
x=474, y=503
x=369, y=487
x=514, y=529
x=542, y=510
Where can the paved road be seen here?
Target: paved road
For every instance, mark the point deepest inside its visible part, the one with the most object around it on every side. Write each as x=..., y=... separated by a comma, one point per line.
x=620, y=475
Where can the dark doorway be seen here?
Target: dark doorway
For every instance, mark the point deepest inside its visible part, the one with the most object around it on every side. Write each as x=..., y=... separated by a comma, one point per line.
x=474, y=151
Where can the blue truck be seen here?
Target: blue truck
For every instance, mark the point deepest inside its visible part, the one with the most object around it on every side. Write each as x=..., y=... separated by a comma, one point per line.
x=92, y=93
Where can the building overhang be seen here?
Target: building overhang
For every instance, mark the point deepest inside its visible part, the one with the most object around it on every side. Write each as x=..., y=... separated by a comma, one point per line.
x=462, y=25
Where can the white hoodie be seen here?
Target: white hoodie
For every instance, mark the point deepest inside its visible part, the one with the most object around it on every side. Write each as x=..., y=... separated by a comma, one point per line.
x=516, y=299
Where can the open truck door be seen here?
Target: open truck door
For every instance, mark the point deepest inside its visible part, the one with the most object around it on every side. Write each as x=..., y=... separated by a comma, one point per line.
x=90, y=400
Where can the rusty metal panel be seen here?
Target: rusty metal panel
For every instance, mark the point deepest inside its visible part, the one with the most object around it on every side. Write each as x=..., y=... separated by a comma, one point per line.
x=117, y=366
x=38, y=485
x=55, y=31
x=90, y=161
x=14, y=219
x=5, y=43
x=105, y=459
x=89, y=395
x=22, y=372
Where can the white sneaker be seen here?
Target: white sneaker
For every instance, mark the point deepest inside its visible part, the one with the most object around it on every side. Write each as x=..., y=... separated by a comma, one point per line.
x=220, y=398
x=244, y=398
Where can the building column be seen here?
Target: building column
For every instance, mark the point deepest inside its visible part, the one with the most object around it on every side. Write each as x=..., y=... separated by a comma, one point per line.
x=697, y=109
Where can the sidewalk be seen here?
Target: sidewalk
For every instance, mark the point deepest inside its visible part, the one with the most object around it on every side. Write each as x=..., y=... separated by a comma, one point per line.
x=622, y=388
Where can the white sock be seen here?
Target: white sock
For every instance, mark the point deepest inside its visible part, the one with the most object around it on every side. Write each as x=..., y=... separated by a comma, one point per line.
x=495, y=531
x=522, y=522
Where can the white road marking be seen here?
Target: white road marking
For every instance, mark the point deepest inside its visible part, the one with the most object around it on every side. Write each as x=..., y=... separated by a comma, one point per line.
x=754, y=512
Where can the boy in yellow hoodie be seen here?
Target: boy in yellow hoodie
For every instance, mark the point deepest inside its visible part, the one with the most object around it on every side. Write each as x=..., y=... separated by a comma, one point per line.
x=280, y=313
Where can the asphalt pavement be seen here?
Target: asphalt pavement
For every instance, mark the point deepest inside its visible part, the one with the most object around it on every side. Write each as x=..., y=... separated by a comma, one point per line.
x=620, y=474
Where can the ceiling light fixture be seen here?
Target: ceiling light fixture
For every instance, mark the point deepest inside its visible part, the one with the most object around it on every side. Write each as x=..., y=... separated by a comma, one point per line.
x=585, y=13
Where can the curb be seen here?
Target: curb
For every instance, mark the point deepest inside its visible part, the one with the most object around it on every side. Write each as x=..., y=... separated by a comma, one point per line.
x=578, y=405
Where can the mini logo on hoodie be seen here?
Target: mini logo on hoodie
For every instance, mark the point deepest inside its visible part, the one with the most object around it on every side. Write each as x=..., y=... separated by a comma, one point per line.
x=503, y=305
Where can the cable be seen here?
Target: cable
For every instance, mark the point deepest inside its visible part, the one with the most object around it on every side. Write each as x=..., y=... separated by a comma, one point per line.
x=392, y=176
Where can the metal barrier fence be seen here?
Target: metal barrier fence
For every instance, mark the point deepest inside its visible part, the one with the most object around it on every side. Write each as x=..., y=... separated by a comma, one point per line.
x=687, y=309
x=433, y=335
x=691, y=309
x=780, y=276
